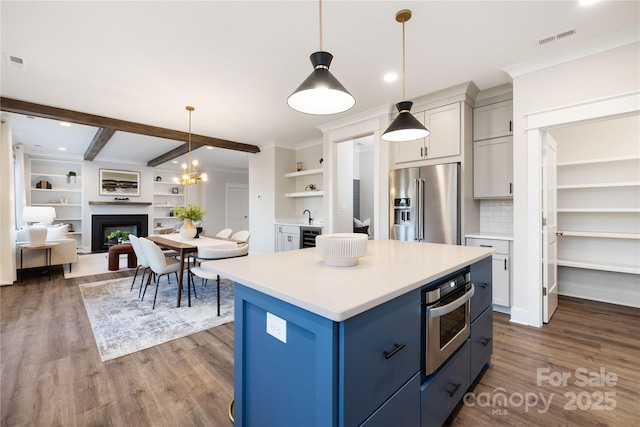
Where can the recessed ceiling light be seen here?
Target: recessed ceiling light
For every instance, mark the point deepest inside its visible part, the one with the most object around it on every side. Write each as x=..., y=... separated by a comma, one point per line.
x=175, y=161
x=390, y=77
x=62, y=149
x=588, y=2
x=66, y=124
x=209, y=147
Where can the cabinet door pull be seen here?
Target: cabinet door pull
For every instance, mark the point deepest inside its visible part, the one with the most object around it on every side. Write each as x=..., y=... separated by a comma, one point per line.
x=505, y=265
x=455, y=388
x=484, y=285
x=511, y=188
x=396, y=348
x=510, y=126
x=486, y=246
x=485, y=341
x=421, y=152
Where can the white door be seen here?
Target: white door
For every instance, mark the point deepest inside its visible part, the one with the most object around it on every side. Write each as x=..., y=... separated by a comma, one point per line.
x=549, y=228
x=237, y=207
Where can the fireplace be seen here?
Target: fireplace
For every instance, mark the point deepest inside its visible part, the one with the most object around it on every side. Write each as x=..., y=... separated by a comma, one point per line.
x=103, y=225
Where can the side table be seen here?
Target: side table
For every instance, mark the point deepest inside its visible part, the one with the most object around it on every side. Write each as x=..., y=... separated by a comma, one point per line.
x=47, y=255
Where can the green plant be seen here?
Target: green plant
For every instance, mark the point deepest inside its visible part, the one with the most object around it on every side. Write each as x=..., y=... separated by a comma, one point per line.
x=119, y=234
x=195, y=213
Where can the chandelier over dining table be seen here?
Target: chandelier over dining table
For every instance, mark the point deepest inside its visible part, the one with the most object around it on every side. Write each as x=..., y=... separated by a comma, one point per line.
x=190, y=174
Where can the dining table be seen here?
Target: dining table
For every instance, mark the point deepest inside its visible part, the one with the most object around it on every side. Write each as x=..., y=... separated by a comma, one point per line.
x=184, y=247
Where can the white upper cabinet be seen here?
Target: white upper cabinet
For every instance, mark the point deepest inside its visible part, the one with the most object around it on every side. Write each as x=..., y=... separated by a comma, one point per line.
x=493, y=120
x=444, y=140
x=493, y=168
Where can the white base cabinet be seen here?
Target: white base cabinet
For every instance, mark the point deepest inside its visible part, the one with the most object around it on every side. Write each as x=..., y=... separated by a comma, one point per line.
x=287, y=237
x=501, y=271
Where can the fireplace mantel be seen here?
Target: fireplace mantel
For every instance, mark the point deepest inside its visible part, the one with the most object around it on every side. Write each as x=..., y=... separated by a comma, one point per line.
x=119, y=202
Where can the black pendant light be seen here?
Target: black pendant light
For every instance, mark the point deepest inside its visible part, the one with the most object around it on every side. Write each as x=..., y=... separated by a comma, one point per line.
x=321, y=93
x=405, y=127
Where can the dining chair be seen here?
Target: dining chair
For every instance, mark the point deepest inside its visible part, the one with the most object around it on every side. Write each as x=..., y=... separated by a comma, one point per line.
x=142, y=261
x=242, y=236
x=212, y=254
x=225, y=234
x=158, y=263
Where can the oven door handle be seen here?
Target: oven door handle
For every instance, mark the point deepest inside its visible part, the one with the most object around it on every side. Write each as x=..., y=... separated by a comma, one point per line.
x=446, y=309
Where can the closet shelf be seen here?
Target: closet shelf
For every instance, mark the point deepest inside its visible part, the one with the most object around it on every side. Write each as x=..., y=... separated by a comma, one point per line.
x=598, y=185
x=617, y=268
x=602, y=235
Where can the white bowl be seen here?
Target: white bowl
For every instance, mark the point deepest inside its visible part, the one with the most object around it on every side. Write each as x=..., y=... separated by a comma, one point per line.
x=341, y=249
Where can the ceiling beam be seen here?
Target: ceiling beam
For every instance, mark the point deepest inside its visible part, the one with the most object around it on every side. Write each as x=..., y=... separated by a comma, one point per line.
x=39, y=110
x=100, y=139
x=176, y=152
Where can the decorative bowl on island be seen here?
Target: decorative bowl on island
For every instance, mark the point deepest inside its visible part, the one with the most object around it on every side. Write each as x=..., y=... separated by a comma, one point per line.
x=341, y=249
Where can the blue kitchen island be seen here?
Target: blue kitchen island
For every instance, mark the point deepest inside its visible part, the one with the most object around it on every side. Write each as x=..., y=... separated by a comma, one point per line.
x=343, y=346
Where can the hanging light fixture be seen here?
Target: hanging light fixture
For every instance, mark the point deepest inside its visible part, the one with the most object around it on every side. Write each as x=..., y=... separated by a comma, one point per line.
x=405, y=127
x=190, y=176
x=321, y=93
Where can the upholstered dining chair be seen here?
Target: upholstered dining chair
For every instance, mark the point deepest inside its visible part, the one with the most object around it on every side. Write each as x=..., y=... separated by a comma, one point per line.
x=142, y=261
x=158, y=263
x=241, y=236
x=212, y=254
x=225, y=234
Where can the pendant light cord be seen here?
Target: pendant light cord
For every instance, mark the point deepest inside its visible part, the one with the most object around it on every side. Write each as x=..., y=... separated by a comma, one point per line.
x=404, y=97
x=320, y=15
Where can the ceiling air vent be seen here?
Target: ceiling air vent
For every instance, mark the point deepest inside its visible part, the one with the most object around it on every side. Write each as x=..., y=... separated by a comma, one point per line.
x=15, y=62
x=556, y=37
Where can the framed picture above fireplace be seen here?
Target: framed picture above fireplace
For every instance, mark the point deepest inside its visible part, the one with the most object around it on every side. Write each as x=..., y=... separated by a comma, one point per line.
x=119, y=183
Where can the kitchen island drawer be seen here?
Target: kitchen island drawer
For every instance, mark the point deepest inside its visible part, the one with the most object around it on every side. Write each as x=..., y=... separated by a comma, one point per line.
x=381, y=352
x=481, y=342
x=403, y=409
x=501, y=246
x=442, y=391
x=482, y=279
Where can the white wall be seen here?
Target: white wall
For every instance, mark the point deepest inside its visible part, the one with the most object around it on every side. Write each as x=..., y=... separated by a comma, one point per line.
x=214, y=201
x=588, y=78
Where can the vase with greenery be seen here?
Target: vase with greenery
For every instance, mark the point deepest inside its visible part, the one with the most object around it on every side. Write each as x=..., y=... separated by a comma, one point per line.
x=70, y=175
x=118, y=236
x=188, y=214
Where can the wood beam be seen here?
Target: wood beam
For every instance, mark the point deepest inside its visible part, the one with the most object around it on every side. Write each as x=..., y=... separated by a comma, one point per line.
x=176, y=152
x=100, y=139
x=39, y=110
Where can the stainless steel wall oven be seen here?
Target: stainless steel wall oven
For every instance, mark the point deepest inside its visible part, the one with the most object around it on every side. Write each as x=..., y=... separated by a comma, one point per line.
x=445, y=319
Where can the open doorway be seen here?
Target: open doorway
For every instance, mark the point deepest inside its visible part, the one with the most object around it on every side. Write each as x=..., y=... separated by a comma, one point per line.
x=356, y=185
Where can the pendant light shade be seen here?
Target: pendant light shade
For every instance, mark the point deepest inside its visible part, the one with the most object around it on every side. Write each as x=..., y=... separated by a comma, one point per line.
x=321, y=93
x=405, y=127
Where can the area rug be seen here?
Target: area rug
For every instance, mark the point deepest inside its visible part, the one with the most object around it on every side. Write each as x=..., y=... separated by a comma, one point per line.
x=123, y=324
x=92, y=265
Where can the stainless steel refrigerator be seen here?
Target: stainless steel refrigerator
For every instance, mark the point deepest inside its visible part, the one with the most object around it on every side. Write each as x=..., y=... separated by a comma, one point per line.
x=425, y=204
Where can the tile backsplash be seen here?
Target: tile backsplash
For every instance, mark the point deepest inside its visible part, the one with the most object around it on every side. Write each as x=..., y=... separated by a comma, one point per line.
x=496, y=216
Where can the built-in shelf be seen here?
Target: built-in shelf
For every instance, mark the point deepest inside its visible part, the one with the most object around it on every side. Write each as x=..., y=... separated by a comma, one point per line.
x=596, y=210
x=63, y=189
x=316, y=193
x=616, y=268
x=117, y=202
x=601, y=235
x=599, y=185
x=57, y=204
x=595, y=161
x=303, y=173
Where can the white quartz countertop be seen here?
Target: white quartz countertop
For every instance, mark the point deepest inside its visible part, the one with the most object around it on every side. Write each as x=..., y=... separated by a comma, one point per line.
x=494, y=236
x=389, y=269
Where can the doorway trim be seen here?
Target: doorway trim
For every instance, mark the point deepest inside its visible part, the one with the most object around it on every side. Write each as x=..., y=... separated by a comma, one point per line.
x=539, y=123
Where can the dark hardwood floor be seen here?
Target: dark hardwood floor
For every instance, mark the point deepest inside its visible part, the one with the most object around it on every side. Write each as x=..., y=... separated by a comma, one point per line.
x=51, y=374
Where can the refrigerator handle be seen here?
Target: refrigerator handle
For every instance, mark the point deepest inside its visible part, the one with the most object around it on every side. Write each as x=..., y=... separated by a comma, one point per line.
x=421, y=219
x=416, y=217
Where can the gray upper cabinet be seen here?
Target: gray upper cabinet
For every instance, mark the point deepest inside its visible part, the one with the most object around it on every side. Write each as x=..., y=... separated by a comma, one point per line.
x=444, y=140
x=493, y=120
